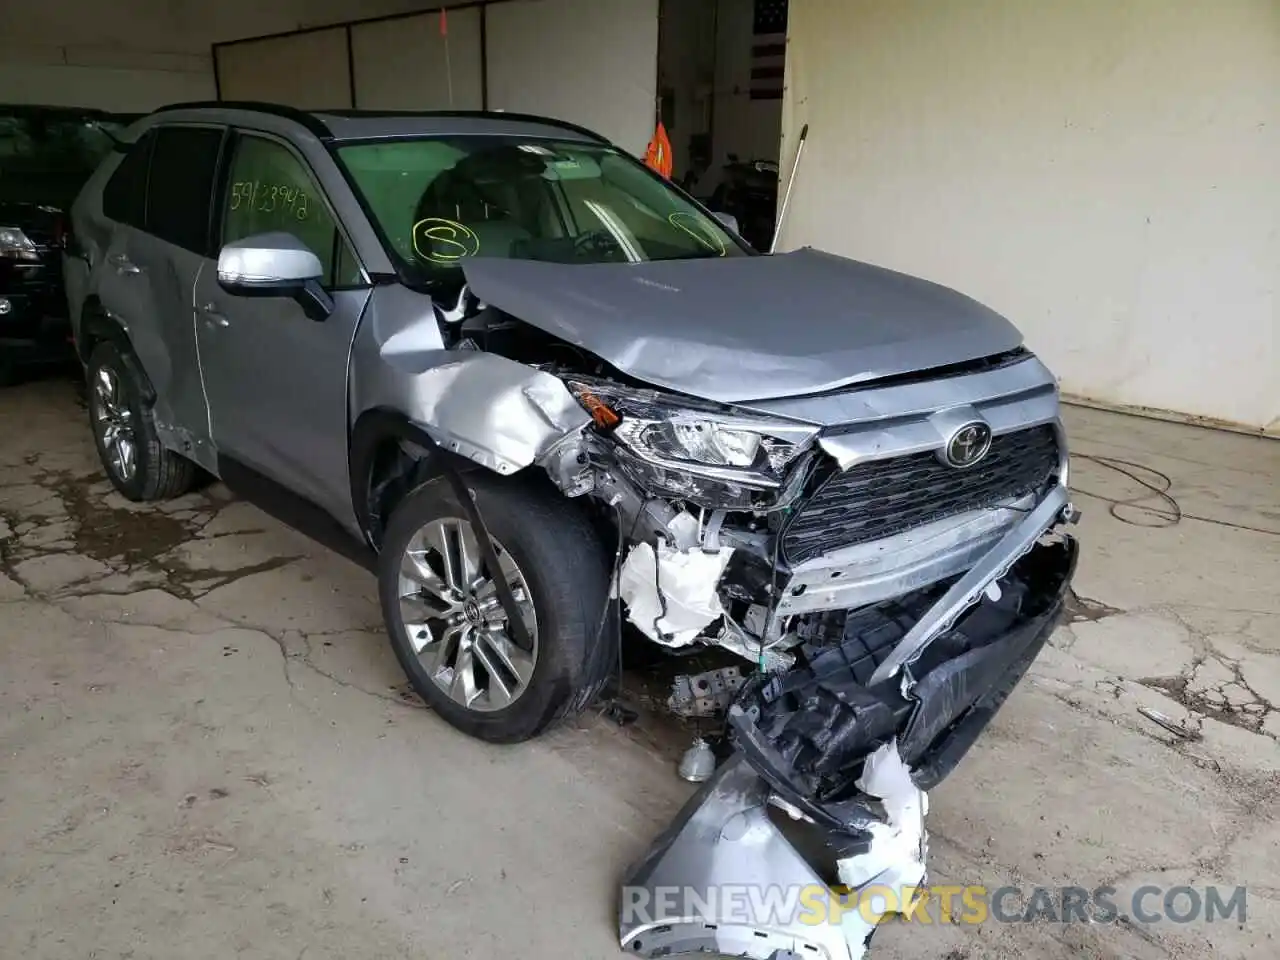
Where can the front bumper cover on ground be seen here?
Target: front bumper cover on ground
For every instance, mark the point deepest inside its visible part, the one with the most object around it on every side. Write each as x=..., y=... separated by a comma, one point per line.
x=674, y=901
x=802, y=740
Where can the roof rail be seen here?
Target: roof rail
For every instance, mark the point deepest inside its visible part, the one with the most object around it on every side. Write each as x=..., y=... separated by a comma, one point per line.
x=313, y=122
x=476, y=114
x=308, y=120
x=25, y=108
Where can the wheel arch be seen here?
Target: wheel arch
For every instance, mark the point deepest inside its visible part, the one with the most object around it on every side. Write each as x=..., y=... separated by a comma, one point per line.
x=390, y=457
x=98, y=326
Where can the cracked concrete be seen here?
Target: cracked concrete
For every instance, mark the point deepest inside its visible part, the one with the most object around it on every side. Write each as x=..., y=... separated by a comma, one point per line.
x=207, y=741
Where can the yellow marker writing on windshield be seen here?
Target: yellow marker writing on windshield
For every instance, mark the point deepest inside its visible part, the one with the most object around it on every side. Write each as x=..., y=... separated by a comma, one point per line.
x=445, y=241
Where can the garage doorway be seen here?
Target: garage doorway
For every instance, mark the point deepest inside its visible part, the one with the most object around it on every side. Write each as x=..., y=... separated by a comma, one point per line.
x=721, y=70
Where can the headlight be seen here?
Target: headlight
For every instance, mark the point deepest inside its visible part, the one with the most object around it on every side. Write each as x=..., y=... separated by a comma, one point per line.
x=17, y=245
x=694, y=452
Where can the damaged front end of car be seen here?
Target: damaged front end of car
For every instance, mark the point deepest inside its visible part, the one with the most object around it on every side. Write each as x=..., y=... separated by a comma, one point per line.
x=824, y=797
x=887, y=557
x=890, y=595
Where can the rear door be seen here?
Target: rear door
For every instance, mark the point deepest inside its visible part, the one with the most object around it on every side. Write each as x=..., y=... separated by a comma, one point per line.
x=118, y=281
x=171, y=254
x=157, y=203
x=277, y=380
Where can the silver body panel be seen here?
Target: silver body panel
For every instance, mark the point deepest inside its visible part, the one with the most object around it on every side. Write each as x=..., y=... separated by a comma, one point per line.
x=888, y=404
x=277, y=387
x=964, y=592
x=882, y=422
x=724, y=840
x=497, y=412
x=870, y=572
x=740, y=328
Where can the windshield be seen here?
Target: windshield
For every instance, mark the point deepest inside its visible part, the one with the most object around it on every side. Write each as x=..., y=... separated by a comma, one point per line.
x=442, y=200
x=34, y=143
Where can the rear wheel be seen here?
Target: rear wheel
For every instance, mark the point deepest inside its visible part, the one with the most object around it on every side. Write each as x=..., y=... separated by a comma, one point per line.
x=449, y=629
x=124, y=431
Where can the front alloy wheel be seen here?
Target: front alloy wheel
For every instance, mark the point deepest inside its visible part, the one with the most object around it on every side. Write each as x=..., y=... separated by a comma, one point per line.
x=451, y=614
x=449, y=629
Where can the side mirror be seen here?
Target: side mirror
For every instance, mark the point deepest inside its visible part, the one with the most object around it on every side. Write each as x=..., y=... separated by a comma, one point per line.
x=275, y=265
x=727, y=220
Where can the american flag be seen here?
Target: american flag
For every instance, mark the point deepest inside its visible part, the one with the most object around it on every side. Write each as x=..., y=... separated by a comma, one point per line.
x=768, y=49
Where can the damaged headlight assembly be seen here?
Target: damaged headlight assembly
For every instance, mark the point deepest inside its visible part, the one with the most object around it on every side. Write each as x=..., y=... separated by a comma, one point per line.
x=695, y=452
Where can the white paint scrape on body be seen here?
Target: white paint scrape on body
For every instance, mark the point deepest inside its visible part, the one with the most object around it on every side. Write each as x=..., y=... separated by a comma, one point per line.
x=896, y=859
x=670, y=592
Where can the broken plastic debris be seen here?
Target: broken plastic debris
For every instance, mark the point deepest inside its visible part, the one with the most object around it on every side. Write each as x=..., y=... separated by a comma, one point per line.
x=896, y=857
x=902, y=838
x=1177, y=729
x=671, y=595
x=789, y=808
x=724, y=838
x=684, y=531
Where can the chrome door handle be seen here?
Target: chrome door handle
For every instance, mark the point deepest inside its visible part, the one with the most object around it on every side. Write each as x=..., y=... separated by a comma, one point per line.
x=123, y=264
x=213, y=316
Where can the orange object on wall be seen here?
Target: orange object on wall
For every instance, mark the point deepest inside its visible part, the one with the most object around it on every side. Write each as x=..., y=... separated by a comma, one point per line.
x=658, y=156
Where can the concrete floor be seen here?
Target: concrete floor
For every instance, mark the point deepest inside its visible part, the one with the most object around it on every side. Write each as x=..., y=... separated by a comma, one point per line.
x=208, y=749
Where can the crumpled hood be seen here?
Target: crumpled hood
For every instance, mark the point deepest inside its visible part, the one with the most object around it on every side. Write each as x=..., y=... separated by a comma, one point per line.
x=736, y=329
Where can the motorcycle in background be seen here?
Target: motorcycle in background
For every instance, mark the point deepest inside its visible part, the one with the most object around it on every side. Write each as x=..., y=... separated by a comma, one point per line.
x=748, y=190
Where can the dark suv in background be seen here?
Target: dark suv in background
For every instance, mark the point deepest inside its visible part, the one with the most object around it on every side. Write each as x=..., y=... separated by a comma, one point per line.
x=46, y=155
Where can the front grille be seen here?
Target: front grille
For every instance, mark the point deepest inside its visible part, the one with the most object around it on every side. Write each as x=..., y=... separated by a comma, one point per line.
x=870, y=501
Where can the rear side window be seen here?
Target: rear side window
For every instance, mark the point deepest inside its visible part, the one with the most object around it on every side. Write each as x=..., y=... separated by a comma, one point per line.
x=124, y=198
x=183, y=165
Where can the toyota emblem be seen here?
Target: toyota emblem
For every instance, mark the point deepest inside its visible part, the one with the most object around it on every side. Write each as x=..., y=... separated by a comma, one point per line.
x=968, y=445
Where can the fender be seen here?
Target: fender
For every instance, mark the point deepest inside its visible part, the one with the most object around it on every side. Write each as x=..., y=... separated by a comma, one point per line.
x=371, y=434
x=470, y=407
x=374, y=432
x=95, y=327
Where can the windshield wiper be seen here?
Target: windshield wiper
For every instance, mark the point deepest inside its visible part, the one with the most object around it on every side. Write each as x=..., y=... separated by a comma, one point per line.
x=700, y=255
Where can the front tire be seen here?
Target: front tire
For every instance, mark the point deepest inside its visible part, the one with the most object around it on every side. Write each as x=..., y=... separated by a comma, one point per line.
x=124, y=431
x=449, y=631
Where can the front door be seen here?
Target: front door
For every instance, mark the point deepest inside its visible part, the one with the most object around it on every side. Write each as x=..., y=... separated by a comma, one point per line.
x=276, y=380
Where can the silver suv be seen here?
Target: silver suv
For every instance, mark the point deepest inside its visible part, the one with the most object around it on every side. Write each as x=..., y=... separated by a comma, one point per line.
x=549, y=397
